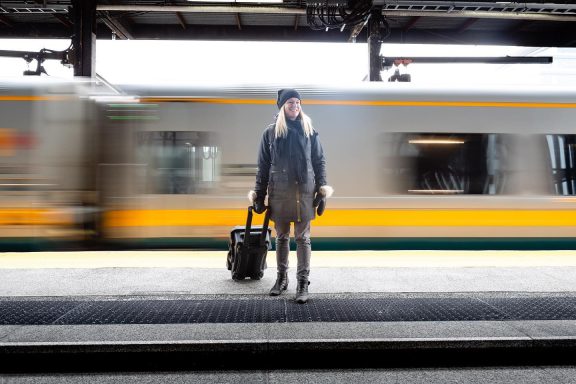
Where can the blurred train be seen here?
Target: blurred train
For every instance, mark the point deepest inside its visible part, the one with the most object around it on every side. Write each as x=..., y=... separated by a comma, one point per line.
x=85, y=164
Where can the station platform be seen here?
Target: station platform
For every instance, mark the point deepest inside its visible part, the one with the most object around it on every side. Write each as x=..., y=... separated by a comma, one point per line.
x=166, y=309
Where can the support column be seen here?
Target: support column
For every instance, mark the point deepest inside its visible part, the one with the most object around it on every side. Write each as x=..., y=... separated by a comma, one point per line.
x=84, y=39
x=375, y=44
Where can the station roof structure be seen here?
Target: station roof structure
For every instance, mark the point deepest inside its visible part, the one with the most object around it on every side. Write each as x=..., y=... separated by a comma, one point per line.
x=539, y=24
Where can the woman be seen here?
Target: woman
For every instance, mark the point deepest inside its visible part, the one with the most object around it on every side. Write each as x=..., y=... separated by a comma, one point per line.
x=291, y=170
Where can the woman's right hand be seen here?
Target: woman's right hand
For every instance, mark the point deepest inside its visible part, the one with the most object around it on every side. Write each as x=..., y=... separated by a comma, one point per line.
x=259, y=206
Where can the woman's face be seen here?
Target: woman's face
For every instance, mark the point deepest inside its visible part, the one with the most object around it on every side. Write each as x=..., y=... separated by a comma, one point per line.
x=292, y=108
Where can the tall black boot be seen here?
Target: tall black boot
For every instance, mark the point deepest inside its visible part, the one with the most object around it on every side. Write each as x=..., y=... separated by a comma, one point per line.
x=302, y=290
x=280, y=285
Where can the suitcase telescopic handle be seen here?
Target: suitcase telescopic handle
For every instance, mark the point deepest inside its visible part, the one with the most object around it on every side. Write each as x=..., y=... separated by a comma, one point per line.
x=265, y=227
x=249, y=225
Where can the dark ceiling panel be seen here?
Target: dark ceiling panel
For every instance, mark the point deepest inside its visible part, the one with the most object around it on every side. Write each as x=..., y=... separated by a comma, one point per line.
x=271, y=20
x=33, y=18
x=494, y=25
x=441, y=23
x=427, y=22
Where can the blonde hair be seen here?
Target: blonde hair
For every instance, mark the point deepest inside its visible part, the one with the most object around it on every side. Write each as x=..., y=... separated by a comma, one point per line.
x=281, y=128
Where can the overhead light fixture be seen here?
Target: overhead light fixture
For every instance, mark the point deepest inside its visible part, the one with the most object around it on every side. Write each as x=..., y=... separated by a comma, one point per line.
x=238, y=1
x=436, y=191
x=436, y=141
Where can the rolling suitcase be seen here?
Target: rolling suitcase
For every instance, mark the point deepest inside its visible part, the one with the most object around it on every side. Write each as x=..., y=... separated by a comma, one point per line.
x=248, y=247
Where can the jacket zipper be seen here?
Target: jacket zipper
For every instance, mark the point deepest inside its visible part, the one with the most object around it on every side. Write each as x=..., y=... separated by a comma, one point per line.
x=298, y=202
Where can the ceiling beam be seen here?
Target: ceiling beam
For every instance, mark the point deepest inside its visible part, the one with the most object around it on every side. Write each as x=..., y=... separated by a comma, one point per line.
x=116, y=26
x=467, y=24
x=537, y=38
x=411, y=23
x=355, y=31
x=6, y=21
x=201, y=9
x=519, y=26
x=63, y=19
x=181, y=20
x=496, y=14
x=238, y=21
x=58, y=16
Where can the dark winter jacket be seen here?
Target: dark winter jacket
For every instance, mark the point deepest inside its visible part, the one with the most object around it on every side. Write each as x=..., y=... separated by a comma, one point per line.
x=288, y=199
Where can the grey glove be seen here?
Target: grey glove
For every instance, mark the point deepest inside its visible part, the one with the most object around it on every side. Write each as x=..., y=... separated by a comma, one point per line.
x=321, y=207
x=259, y=206
x=319, y=203
x=323, y=193
x=257, y=201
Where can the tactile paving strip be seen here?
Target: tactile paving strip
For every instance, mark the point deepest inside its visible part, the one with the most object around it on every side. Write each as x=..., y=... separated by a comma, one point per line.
x=394, y=310
x=34, y=312
x=175, y=312
x=37, y=312
x=552, y=308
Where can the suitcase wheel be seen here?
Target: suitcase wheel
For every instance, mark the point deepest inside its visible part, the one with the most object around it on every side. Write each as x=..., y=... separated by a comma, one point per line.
x=229, y=260
x=237, y=277
x=229, y=256
x=258, y=276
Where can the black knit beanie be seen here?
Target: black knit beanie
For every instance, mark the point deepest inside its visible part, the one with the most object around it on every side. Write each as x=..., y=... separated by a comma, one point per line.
x=285, y=94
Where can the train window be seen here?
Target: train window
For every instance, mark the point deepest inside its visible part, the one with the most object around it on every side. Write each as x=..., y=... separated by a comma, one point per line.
x=442, y=164
x=179, y=162
x=562, y=161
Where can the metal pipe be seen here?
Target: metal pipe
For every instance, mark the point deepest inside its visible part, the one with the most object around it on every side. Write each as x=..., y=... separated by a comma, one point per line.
x=501, y=5
x=481, y=15
x=389, y=61
x=29, y=55
x=201, y=9
x=297, y=11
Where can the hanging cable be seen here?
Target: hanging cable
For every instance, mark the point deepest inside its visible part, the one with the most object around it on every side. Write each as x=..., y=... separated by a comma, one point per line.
x=379, y=26
x=332, y=14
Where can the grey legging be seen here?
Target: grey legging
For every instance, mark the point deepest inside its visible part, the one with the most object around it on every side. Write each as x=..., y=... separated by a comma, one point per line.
x=303, y=247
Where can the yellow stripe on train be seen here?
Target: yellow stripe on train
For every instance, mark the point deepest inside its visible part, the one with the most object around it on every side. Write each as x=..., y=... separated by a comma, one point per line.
x=35, y=98
x=40, y=216
x=372, y=103
x=350, y=217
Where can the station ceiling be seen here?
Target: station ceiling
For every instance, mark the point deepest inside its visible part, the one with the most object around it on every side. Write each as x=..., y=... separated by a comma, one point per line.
x=538, y=24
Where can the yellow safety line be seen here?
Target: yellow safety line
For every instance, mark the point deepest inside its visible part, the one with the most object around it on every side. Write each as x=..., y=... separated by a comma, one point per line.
x=350, y=217
x=320, y=259
x=376, y=103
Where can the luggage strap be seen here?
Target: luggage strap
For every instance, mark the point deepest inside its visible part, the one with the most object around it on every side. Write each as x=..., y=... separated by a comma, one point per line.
x=249, y=226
